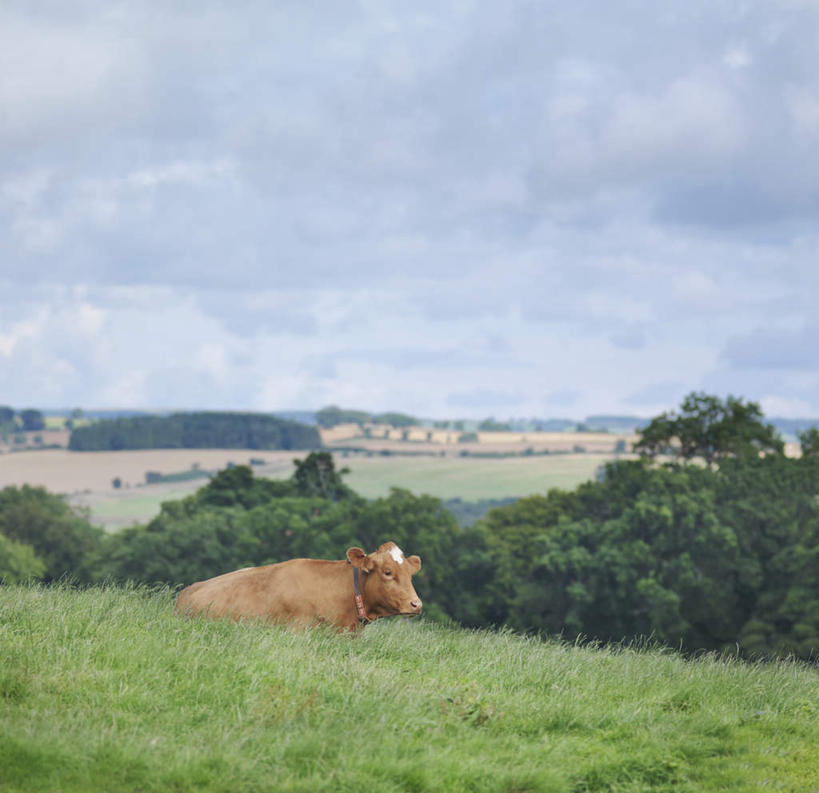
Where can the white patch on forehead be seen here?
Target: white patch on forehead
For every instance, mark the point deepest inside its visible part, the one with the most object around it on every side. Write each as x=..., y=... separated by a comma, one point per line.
x=397, y=554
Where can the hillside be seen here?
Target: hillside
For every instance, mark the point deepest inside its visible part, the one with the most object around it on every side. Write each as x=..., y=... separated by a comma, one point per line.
x=105, y=689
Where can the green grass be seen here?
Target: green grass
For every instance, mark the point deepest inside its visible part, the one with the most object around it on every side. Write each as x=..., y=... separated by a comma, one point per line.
x=468, y=478
x=118, y=509
x=106, y=690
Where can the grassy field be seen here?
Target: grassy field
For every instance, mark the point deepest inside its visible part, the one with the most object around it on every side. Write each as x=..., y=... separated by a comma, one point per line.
x=470, y=478
x=106, y=690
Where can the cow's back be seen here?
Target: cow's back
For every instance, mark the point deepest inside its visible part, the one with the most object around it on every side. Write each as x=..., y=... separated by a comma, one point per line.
x=296, y=590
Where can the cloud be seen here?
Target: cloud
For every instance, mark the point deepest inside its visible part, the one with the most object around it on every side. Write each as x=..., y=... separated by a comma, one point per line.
x=58, y=72
x=484, y=399
x=397, y=203
x=565, y=397
x=629, y=338
x=785, y=407
x=774, y=349
x=657, y=394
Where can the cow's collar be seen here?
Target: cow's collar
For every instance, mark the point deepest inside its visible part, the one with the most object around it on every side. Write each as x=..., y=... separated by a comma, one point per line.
x=359, y=601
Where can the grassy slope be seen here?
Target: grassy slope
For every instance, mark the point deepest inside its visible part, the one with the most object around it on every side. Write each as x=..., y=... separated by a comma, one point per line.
x=107, y=690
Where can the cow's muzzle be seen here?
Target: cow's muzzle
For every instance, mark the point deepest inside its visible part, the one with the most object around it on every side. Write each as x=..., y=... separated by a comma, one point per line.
x=414, y=609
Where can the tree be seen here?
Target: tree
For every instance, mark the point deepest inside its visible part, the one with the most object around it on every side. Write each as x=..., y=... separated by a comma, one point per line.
x=316, y=476
x=809, y=442
x=32, y=420
x=708, y=428
x=62, y=537
x=18, y=562
x=6, y=415
x=237, y=486
x=490, y=425
x=395, y=419
x=195, y=431
x=333, y=415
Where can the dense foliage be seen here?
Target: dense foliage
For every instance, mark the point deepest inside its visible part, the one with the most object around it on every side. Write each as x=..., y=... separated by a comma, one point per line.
x=195, y=431
x=691, y=556
x=710, y=429
x=50, y=538
x=333, y=415
x=28, y=420
x=700, y=556
x=469, y=512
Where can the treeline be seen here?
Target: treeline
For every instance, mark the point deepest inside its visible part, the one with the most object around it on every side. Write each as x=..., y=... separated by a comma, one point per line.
x=195, y=431
x=28, y=420
x=716, y=556
x=333, y=415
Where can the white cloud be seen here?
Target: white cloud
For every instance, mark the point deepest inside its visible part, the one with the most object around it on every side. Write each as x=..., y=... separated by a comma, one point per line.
x=694, y=116
x=24, y=330
x=699, y=290
x=803, y=106
x=212, y=359
x=303, y=204
x=26, y=188
x=89, y=319
x=51, y=72
x=194, y=173
x=786, y=407
x=737, y=58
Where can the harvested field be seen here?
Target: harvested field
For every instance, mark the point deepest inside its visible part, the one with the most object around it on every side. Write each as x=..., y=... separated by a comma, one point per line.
x=67, y=472
x=417, y=439
x=47, y=437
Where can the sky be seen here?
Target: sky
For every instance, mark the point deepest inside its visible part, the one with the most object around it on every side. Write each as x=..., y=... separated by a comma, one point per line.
x=448, y=208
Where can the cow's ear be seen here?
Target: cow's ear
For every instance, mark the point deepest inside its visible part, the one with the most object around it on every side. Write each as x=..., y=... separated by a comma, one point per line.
x=359, y=559
x=415, y=563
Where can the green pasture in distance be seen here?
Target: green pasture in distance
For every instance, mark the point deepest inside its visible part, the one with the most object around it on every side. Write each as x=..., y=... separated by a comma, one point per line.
x=120, y=509
x=58, y=422
x=469, y=478
x=105, y=689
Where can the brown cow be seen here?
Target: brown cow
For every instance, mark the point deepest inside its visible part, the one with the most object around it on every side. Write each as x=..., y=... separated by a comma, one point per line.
x=308, y=591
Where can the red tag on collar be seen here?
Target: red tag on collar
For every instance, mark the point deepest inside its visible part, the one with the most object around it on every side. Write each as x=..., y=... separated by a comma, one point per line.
x=359, y=607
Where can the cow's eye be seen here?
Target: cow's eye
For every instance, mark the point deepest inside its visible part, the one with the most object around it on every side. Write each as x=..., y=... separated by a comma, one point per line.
x=388, y=572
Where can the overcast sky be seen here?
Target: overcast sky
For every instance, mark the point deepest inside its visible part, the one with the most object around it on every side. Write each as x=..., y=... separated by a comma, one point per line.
x=446, y=208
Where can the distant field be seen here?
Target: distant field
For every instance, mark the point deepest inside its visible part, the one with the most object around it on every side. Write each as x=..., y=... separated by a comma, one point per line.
x=87, y=476
x=470, y=478
x=68, y=472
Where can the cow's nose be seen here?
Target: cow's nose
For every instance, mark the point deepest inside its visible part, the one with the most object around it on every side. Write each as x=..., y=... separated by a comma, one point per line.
x=415, y=605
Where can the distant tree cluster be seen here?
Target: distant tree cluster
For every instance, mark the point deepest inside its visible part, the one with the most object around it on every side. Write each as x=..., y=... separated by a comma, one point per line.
x=195, y=431
x=28, y=420
x=395, y=419
x=490, y=425
x=332, y=416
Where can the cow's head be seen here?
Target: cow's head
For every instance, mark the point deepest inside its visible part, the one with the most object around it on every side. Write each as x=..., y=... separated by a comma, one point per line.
x=387, y=586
